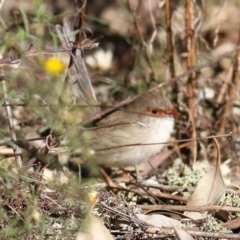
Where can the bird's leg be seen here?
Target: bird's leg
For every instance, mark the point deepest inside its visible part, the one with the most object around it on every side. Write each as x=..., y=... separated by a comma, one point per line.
x=138, y=174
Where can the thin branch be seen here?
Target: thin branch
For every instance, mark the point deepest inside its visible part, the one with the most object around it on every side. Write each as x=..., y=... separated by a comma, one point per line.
x=191, y=62
x=10, y=120
x=141, y=38
x=146, y=227
x=232, y=88
x=170, y=52
x=100, y=114
x=158, y=143
x=188, y=208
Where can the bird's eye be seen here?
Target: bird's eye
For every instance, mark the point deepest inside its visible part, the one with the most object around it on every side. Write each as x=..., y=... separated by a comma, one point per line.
x=154, y=111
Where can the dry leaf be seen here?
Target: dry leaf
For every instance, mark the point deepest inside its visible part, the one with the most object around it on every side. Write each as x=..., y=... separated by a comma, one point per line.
x=233, y=224
x=158, y=220
x=93, y=229
x=209, y=190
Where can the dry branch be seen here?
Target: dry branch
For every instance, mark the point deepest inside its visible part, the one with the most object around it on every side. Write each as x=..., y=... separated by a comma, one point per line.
x=191, y=62
x=140, y=35
x=231, y=89
x=170, y=52
x=10, y=120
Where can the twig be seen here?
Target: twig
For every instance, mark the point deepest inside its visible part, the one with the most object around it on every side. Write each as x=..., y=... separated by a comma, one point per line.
x=170, y=52
x=154, y=34
x=226, y=80
x=44, y=151
x=173, y=142
x=216, y=235
x=191, y=62
x=80, y=19
x=43, y=196
x=146, y=227
x=100, y=114
x=232, y=87
x=188, y=208
x=167, y=188
x=141, y=38
x=10, y=120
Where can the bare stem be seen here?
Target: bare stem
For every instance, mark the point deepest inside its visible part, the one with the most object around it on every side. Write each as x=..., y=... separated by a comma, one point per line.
x=231, y=89
x=191, y=62
x=170, y=51
x=141, y=38
x=10, y=120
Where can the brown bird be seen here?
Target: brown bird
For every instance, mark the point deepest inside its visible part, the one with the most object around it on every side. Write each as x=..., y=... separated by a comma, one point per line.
x=129, y=135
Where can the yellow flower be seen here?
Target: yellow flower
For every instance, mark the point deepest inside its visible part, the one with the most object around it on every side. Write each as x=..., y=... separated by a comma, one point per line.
x=54, y=65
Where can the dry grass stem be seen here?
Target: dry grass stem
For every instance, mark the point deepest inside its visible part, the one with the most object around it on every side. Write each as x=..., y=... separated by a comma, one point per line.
x=191, y=62
x=231, y=88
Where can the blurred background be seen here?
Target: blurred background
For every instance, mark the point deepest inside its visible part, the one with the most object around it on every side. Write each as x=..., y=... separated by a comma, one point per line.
x=133, y=56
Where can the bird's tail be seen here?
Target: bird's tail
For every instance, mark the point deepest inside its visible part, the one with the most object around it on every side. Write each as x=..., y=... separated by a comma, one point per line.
x=78, y=74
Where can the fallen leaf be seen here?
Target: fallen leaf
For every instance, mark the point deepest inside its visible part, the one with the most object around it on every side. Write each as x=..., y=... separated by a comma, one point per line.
x=181, y=234
x=158, y=220
x=93, y=229
x=209, y=190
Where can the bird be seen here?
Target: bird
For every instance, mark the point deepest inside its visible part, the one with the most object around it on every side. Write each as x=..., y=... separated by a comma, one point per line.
x=128, y=135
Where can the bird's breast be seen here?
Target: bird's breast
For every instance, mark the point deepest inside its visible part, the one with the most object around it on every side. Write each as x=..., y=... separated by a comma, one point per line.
x=134, y=143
